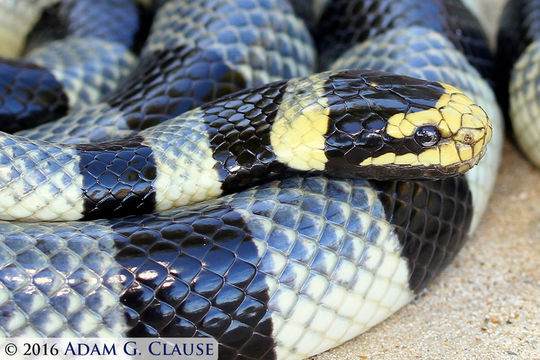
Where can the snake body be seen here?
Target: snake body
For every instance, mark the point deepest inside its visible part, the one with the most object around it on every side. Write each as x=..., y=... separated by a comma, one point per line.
x=286, y=270
x=186, y=62
x=308, y=124
x=349, y=22
x=278, y=271
x=519, y=50
x=72, y=71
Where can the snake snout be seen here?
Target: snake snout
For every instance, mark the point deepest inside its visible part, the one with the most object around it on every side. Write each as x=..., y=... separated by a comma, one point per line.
x=470, y=130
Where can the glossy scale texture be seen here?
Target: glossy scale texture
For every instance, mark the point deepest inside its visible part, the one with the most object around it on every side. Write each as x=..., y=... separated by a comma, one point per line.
x=240, y=267
x=29, y=96
x=183, y=65
x=85, y=52
x=519, y=75
x=349, y=22
x=115, y=21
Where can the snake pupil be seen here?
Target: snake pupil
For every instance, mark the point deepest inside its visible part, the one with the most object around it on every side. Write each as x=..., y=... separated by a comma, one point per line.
x=427, y=136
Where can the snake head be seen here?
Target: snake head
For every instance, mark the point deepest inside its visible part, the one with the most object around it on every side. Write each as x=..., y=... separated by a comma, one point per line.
x=378, y=125
x=451, y=137
x=414, y=130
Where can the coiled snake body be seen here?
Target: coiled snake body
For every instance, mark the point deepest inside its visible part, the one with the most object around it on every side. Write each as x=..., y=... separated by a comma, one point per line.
x=518, y=49
x=282, y=270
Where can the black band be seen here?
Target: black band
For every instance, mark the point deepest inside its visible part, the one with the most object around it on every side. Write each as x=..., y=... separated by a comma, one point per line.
x=117, y=178
x=432, y=219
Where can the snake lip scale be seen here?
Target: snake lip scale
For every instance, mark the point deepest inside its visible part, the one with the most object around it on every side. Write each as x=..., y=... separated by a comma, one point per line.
x=222, y=188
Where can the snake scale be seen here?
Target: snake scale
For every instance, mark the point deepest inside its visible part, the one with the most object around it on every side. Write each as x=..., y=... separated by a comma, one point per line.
x=518, y=49
x=319, y=228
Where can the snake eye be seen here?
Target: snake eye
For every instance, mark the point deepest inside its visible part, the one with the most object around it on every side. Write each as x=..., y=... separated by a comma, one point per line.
x=427, y=135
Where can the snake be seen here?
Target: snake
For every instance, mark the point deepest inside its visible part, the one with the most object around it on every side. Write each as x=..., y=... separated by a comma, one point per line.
x=119, y=238
x=518, y=50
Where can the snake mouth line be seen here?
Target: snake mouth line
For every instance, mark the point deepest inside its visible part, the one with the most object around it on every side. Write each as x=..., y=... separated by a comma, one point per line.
x=468, y=164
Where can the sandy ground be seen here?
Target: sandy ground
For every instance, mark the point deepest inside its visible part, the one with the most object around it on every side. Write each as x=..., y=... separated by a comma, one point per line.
x=486, y=305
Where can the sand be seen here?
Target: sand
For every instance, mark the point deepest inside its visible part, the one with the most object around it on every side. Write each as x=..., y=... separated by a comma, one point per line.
x=486, y=305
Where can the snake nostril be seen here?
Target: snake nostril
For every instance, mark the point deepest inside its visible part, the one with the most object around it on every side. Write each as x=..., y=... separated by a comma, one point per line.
x=469, y=136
